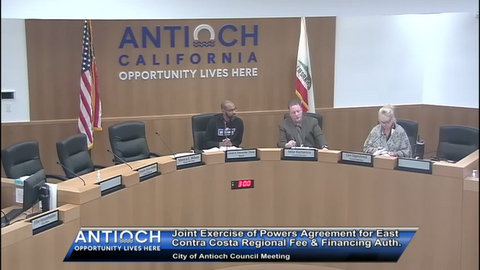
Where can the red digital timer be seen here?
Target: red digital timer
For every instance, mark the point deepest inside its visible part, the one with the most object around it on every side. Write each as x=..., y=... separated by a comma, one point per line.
x=240, y=184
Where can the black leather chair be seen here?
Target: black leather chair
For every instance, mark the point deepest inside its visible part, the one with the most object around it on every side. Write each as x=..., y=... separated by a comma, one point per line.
x=22, y=159
x=411, y=128
x=317, y=116
x=199, y=129
x=74, y=156
x=456, y=142
x=128, y=142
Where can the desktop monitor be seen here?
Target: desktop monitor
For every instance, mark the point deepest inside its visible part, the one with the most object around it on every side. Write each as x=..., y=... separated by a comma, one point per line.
x=31, y=189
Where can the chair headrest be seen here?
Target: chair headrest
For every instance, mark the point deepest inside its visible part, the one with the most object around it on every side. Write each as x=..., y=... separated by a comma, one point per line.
x=127, y=130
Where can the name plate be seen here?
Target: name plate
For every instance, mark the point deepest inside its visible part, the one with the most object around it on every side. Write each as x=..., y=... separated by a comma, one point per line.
x=310, y=154
x=45, y=222
x=147, y=172
x=110, y=185
x=241, y=155
x=189, y=161
x=356, y=158
x=414, y=165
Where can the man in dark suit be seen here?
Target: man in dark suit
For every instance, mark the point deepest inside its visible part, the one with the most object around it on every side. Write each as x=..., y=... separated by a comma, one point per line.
x=297, y=130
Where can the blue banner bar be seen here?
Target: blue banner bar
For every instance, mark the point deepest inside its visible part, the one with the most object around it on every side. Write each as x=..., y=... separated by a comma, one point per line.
x=333, y=244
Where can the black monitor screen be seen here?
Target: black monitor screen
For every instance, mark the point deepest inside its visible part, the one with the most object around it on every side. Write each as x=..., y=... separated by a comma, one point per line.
x=31, y=189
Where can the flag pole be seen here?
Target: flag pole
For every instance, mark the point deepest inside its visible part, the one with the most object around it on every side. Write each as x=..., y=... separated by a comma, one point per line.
x=304, y=82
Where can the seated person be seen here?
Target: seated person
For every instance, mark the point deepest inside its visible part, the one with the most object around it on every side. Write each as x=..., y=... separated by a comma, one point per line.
x=225, y=129
x=297, y=130
x=387, y=138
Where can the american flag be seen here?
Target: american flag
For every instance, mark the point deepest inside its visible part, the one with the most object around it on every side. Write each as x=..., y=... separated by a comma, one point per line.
x=90, y=105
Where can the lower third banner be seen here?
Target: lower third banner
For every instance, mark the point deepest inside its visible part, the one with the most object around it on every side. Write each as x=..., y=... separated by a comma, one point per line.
x=245, y=244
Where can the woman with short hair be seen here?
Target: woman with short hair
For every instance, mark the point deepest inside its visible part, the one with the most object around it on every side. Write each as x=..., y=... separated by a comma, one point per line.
x=388, y=138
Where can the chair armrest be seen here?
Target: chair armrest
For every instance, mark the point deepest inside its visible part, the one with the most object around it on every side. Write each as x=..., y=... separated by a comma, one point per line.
x=58, y=177
x=154, y=154
x=196, y=150
x=99, y=166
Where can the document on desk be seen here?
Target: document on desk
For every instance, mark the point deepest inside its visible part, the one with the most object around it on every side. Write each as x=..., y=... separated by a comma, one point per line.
x=19, y=188
x=52, y=188
x=222, y=148
x=181, y=154
x=381, y=152
x=303, y=147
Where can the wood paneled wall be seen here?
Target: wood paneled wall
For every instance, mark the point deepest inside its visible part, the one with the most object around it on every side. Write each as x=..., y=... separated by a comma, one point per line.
x=54, y=61
x=166, y=106
x=345, y=129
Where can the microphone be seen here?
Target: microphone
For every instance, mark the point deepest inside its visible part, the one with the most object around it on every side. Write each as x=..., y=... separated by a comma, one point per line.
x=291, y=139
x=166, y=145
x=121, y=159
x=299, y=135
x=382, y=135
x=382, y=132
x=225, y=128
x=70, y=171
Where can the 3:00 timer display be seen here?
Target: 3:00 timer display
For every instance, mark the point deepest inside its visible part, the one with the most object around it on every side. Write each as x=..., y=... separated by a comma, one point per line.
x=241, y=184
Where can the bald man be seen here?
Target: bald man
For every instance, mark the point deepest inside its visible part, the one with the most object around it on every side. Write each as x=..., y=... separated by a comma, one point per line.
x=225, y=129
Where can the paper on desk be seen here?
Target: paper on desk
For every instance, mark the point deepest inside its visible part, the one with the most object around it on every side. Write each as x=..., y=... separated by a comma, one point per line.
x=19, y=195
x=222, y=148
x=381, y=152
x=181, y=154
x=19, y=188
x=303, y=147
x=53, y=195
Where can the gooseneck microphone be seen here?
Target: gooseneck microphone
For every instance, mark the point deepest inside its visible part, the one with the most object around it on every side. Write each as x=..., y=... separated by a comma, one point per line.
x=382, y=135
x=166, y=145
x=70, y=171
x=225, y=129
x=121, y=159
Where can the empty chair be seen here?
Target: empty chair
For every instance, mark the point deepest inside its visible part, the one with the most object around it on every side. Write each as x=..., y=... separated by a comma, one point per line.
x=74, y=156
x=23, y=159
x=199, y=129
x=128, y=142
x=456, y=142
x=317, y=116
x=411, y=128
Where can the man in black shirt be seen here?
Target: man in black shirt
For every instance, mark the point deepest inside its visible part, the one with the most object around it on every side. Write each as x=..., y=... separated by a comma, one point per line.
x=225, y=129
